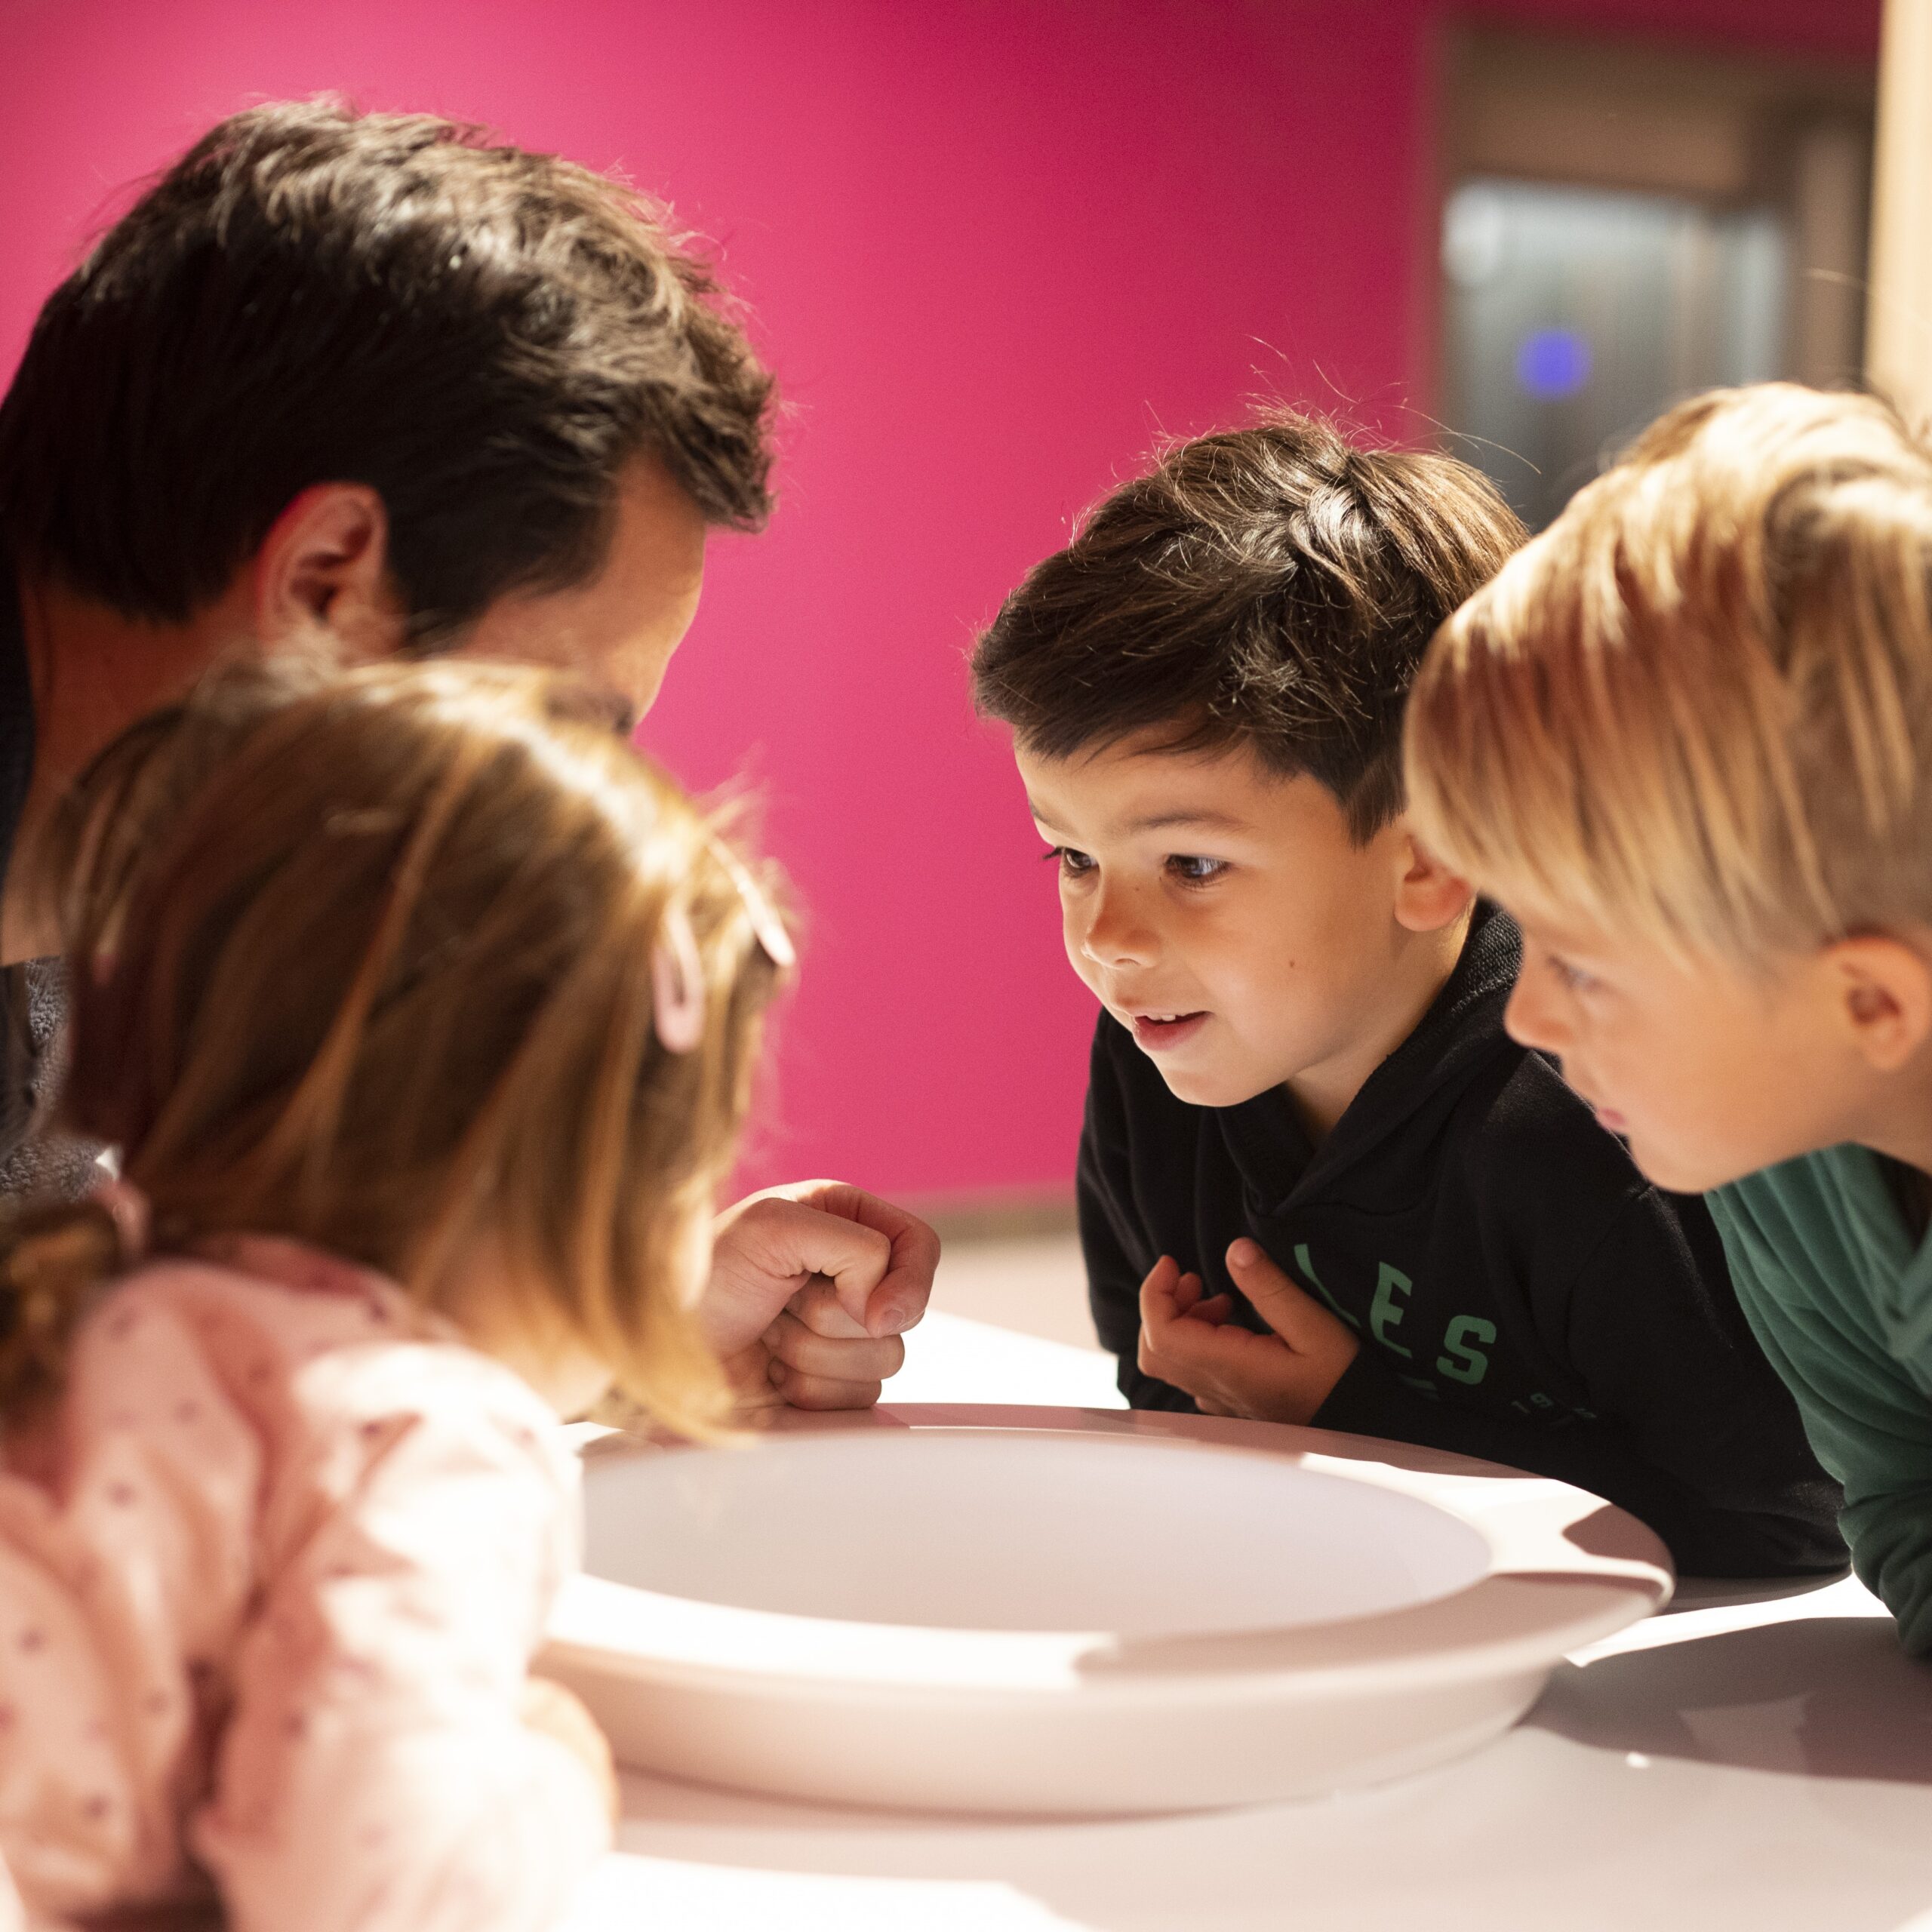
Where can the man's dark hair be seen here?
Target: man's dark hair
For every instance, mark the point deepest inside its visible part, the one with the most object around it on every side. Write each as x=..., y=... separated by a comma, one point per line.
x=1273, y=587
x=484, y=336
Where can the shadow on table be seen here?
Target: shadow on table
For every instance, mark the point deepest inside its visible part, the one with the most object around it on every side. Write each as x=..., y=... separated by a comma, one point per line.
x=1822, y=1697
x=1728, y=1592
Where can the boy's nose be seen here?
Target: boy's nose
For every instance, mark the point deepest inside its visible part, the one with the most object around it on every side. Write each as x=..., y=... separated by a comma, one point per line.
x=1528, y=1018
x=1115, y=935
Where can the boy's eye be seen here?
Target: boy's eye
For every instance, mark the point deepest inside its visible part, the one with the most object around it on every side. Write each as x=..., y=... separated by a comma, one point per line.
x=1194, y=870
x=1574, y=977
x=1072, y=862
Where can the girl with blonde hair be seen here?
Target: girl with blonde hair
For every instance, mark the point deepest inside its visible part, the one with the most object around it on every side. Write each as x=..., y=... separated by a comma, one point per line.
x=421, y=1010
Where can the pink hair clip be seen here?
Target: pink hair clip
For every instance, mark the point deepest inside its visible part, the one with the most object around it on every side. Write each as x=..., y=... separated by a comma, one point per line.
x=677, y=984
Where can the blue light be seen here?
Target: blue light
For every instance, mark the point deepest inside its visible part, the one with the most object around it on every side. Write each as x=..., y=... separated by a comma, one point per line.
x=1551, y=364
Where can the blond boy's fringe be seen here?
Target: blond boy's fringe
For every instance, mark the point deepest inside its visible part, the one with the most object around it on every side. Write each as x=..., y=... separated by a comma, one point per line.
x=1697, y=710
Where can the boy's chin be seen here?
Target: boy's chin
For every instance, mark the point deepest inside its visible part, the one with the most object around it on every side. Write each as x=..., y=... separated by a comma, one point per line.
x=1683, y=1170
x=1207, y=1086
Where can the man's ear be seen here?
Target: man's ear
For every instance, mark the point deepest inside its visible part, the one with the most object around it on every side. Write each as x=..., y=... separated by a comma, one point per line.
x=1428, y=895
x=325, y=561
x=1884, y=989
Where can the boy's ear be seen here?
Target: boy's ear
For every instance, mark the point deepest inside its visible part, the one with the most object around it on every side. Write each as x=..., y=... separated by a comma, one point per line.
x=1883, y=987
x=1428, y=896
x=325, y=561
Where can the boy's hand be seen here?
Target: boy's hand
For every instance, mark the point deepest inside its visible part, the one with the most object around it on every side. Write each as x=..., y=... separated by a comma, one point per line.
x=811, y=1286
x=1230, y=1370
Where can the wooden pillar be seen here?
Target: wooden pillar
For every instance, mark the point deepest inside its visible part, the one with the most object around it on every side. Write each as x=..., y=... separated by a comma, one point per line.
x=1898, y=351
x=1830, y=182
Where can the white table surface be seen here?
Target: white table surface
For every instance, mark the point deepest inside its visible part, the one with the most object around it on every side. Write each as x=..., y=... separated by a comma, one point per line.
x=1765, y=1767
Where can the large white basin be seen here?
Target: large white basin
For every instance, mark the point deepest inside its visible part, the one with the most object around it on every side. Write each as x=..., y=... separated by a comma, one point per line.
x=1075, y=1610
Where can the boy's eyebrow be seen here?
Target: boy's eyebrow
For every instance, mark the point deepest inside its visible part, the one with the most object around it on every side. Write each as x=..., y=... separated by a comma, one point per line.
x=1212, y=821
x=1166, y=821
x=1209, y=821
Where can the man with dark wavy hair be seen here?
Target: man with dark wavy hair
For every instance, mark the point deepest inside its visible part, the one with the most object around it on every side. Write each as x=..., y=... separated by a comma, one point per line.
x=383, y=374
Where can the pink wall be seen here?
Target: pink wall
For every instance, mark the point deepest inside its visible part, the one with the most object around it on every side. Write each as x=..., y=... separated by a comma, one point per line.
x=994, y=247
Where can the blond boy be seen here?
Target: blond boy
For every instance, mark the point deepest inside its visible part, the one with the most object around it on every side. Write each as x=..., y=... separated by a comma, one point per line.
x=1686, y=737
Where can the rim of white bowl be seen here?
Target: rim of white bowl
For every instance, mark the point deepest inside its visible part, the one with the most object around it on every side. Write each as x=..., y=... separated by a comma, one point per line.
x=1544, y=1595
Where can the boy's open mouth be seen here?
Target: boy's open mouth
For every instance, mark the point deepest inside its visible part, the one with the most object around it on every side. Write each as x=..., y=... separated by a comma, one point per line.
x=1155, y=1031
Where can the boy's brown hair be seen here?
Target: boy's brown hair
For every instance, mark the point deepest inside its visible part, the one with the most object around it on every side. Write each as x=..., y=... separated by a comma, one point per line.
x=486, y=337
x=1699, y=707
x=1273, y=586
x=366, y=959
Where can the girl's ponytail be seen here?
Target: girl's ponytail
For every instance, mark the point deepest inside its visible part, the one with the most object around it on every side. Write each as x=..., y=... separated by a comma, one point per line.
x=54, y=1261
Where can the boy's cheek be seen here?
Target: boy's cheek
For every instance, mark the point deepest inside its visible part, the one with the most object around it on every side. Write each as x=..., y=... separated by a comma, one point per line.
x=1694, y=1139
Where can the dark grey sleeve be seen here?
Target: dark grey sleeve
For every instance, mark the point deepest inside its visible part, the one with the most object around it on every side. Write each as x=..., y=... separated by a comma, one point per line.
x=37, y=1161
x=17, y=1060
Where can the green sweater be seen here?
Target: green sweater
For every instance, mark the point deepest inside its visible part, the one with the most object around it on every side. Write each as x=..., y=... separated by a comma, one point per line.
x=1830, y=1280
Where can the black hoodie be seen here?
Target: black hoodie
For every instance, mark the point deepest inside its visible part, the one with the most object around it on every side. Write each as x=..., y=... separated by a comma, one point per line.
x=1521, y=1292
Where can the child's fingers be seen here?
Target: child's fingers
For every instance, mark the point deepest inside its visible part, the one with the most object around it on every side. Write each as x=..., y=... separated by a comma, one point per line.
x=1190, y=1340
x=1157, y=1310
x=1158, y=1292
x=1300, y=1320
x=1194, y=1354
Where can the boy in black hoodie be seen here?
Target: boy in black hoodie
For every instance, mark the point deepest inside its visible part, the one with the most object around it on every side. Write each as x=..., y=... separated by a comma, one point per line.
x=1318, y=1181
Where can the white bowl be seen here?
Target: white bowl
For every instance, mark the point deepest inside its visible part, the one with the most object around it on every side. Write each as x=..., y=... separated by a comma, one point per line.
x=1075, y=1610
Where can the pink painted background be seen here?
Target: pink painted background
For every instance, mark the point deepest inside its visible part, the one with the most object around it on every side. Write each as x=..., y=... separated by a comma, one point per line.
x=995, y=248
